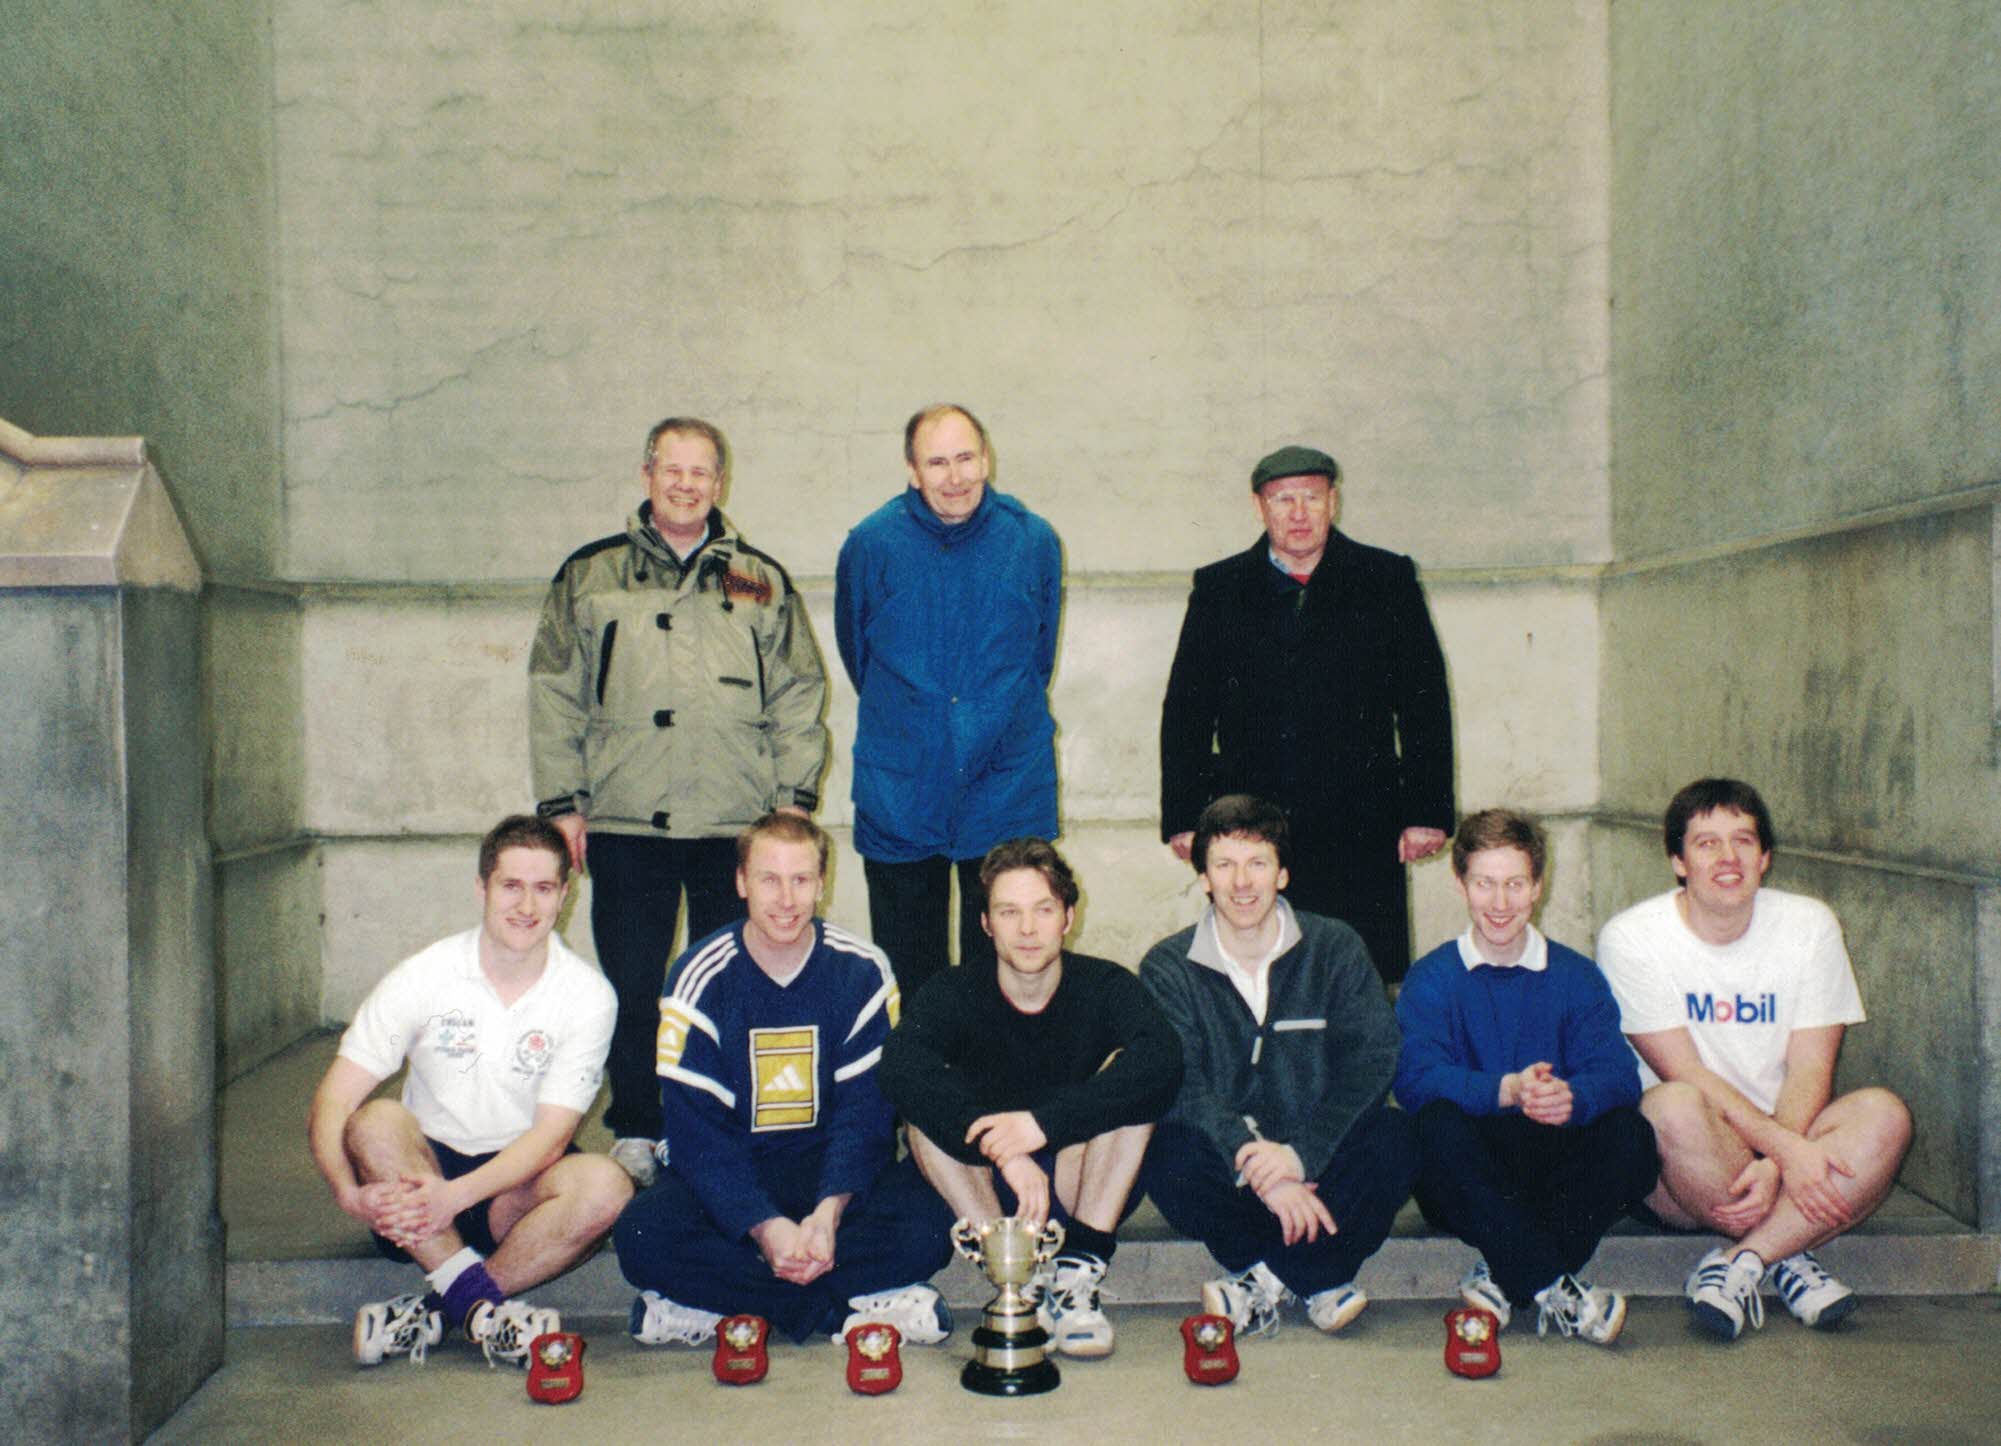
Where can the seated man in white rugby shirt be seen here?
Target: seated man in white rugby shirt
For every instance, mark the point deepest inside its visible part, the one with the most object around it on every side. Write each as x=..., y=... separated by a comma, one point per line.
x=1735, y=997
x=473, y=1174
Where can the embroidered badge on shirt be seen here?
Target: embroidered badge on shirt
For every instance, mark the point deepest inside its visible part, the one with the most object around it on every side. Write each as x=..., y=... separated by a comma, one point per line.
x=453, y=1035
x=737, y=585
x=785, y=1078
x=533, y=1051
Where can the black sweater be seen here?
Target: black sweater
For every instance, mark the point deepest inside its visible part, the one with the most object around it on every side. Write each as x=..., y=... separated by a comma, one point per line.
x=963, y=1050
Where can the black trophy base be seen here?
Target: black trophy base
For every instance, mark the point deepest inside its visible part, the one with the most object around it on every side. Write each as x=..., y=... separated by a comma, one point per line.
x=989, y=1380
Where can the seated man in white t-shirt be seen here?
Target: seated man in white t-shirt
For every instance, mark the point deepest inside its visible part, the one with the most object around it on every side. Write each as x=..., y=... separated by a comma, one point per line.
x=1735, y=998
x=473, y=1174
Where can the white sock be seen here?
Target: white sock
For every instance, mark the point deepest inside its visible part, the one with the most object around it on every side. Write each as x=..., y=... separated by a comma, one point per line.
x=441, y=1279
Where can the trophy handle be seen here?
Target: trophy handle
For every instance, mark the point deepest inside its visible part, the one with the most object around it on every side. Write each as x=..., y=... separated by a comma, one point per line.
x=1048, y=1241
x=966, y=1239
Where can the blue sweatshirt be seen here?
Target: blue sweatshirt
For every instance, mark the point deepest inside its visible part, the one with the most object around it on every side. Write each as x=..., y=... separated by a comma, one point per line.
x=1465, y=1028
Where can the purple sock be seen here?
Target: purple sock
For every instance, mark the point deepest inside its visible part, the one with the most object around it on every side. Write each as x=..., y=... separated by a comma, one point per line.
x=473, y=1286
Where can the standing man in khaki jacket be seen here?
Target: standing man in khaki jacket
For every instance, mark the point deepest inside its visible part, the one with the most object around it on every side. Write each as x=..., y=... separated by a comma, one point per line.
x=674, y=697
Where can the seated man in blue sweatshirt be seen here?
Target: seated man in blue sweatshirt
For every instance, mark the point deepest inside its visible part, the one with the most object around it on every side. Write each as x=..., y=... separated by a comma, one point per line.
x=1526, y=1096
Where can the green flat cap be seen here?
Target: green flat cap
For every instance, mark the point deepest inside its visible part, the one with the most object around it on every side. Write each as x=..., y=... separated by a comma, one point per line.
x=1295, y=462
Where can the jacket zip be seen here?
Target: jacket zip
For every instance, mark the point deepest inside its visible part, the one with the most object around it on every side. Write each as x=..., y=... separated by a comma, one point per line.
x=604, y=657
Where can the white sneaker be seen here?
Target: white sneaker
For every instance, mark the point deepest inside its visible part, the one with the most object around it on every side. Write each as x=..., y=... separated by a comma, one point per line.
x=636, y=1156
x=396, y=1327
x=658, y=1321
x=1813, y=1296
x=1723, y=1293
x=1330, y=1310
x=504, y=1331
x=1069, y=1308
x=1479, y=1289
x=1576, y=1309
x=1251, y=1300
x=917, y=1311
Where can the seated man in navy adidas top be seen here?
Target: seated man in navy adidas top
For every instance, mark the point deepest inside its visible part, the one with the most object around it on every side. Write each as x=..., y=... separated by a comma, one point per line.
x=779, y=1197
x=1031, y=1084
x=472, y=1173
x=1530, y=1137
x=1736, y=998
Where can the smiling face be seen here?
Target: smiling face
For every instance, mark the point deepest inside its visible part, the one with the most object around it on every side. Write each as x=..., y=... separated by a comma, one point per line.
x=1026, y=920
x=1501, y=892
x=683, y=481
x=520, y=900
x=1242, y=877
x=949, y=467
x=780, y=886
x=1297, y=513
x=1722, y=861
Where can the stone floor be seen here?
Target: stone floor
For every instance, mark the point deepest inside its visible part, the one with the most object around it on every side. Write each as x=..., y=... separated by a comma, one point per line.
x=1917, y=1363
x=1903, y=1369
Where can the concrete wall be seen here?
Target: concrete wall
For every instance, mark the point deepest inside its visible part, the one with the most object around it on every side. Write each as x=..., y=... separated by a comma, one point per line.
x=1147, y=242
x=140, y=296
x=422, y=740
x=139, y=236
x=113, y=1243
x=1806, y=364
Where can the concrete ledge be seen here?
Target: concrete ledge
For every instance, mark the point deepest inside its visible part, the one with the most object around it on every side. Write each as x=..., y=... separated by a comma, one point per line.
x=1422, y=1267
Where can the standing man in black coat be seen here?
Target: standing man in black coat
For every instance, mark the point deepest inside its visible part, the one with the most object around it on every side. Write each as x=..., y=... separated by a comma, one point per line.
x=1308, y=673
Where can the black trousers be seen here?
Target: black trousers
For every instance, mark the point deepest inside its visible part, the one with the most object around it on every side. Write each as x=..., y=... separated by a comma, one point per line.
x=1535, y=1200
x=1363, y=1186
x=909, y=906
x=636, y=886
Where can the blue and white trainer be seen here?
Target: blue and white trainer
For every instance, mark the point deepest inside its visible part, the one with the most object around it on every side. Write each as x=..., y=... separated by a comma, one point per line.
x=1814, y=1297
x=1479, y=1289
x=1723, y=1293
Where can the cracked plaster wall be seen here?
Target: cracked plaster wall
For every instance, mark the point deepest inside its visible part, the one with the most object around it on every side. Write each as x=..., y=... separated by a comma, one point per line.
x=1146, y=241
x=1806, y=415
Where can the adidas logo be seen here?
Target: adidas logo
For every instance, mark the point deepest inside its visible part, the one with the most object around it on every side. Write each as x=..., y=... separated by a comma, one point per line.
x=789, y=1079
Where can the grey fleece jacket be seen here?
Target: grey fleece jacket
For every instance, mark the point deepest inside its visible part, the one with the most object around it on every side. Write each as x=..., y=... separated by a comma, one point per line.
x=1323, y=1055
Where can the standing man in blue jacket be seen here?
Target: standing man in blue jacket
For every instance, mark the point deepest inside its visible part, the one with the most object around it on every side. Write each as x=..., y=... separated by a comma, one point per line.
x=946, y=605
x=1530, y=1137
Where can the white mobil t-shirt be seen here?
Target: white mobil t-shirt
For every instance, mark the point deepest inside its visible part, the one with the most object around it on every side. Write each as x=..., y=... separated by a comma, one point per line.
x=1741, y=1001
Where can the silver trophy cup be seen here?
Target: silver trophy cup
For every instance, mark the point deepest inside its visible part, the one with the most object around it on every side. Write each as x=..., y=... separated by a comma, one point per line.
x=1009, y=1348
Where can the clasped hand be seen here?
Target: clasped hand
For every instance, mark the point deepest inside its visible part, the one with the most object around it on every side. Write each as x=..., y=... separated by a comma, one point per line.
x=1274, y=1172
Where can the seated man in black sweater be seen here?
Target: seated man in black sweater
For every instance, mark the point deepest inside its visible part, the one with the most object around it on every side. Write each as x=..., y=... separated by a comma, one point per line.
x=1031, y=1087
